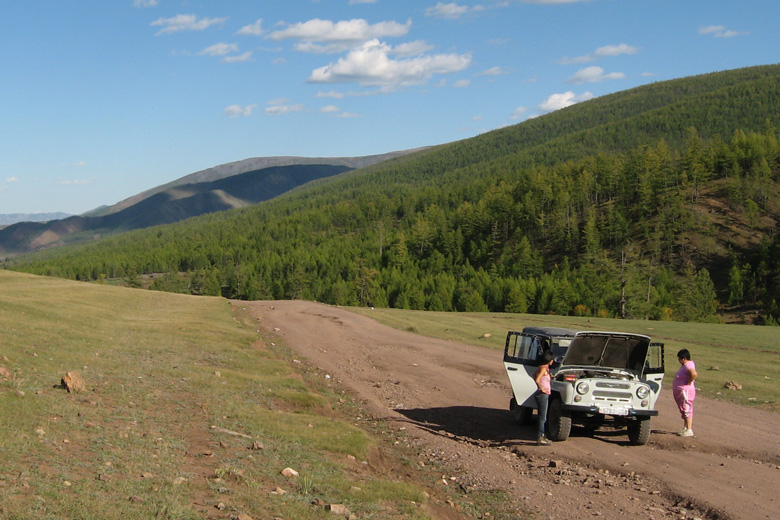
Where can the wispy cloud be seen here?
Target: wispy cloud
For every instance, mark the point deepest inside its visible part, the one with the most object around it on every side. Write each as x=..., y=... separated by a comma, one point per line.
x=566, y=99
x=719, y=31
x=234, y=111
x=255, y=29
x=593, y=74
x=607, y=50
x=371, y=65
x=9, y=180
x=518, y=113
x=145, y=3
x=185, y=22
x=238, y=59
x=281, y=107
x=493, y=71
x=451, y=11
x=219, y=49
x=355, y=2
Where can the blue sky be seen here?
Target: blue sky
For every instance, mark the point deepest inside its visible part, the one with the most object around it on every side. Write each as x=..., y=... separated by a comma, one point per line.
x=103, y=99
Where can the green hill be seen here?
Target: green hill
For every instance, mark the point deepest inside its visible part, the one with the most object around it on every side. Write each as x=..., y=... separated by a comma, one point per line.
x=660, y=202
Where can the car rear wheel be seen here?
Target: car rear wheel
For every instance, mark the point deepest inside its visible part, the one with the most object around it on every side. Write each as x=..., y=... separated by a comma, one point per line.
x=639, y=431
x=558, y=421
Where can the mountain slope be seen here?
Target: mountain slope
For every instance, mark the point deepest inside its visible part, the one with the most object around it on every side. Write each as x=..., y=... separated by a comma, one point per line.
x=622, y=205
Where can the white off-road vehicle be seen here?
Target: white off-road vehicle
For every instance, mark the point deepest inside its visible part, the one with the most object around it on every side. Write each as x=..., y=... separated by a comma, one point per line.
x=598, y=378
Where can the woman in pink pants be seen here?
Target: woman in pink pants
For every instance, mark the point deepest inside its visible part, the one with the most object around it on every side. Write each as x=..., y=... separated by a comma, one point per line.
x=684, y=391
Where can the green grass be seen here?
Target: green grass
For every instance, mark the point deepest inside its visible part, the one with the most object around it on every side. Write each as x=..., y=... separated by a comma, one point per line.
x=168, y=378
x=748, y=355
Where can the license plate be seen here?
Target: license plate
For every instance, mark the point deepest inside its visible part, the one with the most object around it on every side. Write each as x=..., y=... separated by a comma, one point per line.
x=611, y=410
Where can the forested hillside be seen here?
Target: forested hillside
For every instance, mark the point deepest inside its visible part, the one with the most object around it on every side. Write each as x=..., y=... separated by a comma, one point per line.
x=661, y=202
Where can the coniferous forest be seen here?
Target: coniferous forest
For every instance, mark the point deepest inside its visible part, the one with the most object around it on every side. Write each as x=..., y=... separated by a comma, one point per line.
x=660, y=202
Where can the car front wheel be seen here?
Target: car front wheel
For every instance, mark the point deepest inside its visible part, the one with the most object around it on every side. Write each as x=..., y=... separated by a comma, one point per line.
x=639, y=431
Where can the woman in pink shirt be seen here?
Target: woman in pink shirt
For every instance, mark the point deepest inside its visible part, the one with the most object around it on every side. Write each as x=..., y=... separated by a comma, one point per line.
x=684, y=391
x=542, y=396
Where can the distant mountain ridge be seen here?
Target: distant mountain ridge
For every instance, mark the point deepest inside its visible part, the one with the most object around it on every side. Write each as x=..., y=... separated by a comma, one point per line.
x=222, y=171
x=12, y=218
x=220, y=188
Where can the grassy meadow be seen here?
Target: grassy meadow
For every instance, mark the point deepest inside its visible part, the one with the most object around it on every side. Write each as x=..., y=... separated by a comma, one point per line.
x=748, y=355
x=187, y=413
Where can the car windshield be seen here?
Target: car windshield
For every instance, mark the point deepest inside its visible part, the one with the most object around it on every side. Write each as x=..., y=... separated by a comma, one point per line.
x=624, y=351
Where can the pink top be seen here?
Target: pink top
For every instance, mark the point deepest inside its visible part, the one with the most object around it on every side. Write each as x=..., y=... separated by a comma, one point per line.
x=681, y=377
x=544, y=381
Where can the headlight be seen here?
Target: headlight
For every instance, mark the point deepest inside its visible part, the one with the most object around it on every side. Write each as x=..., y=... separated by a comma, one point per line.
x=642, y=392
x=583, y=388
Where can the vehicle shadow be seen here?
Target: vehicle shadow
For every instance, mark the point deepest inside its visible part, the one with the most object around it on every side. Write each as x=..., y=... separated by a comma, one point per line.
x=482, y=426
x=493, y=427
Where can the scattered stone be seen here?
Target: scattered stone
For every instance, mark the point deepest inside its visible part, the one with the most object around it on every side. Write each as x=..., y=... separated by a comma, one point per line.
x=5, y=374
x=278, y=491
x=136, y=500
x=178, y=481
x=244, y=516
x=715, y=367
x=221, y=506
x=337, y=509
x=257, y=445
x=733, y=385
x=487, y=335
x=73, y=382
x=147, y=474
x=289, y=473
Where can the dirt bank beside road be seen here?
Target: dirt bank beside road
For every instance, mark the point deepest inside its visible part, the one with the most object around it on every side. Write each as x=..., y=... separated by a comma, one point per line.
x=452, y=399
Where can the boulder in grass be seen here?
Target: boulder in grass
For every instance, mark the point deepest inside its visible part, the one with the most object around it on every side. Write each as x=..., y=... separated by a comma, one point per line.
x=73, y=382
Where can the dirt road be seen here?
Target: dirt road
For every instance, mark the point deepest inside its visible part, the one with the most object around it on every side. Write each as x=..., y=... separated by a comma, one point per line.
x=452, y=399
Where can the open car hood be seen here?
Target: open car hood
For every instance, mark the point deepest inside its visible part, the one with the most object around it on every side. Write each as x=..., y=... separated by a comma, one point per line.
x=609, y=350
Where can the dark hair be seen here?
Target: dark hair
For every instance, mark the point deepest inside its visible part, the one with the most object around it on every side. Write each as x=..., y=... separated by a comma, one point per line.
x=684, y=354
x=546, y=357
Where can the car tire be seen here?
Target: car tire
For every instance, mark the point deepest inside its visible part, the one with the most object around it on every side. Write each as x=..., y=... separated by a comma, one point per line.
x=639, y=431
x=521, y=414
x=558, y=421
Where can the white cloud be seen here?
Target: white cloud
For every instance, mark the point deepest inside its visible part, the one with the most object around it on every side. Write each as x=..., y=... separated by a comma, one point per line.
x=238, y=59
x=185, y=22
x=370, y=65
x=254, y=29
x=355, y=2
x=493, y=71
x=409, y=49
x=79, y=164
x=449, y=11
x=234, y=111
x=326, y=36
x=329, y=109
x=219, y=49
x=567, y=99
x=348, y=115
x=607, y=50
x=279, y=107
x=12, y=179
x=593, y=75
x=616, y=50
x=144, y=3
x=461, y=83
x=719, y=31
